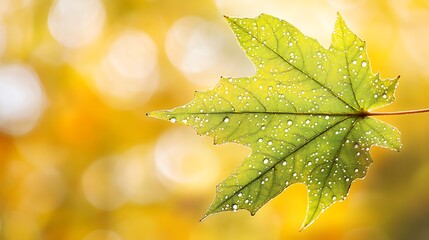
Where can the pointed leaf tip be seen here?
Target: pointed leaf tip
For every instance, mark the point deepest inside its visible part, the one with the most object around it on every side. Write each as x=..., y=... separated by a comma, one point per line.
x=305, y=226
x=203, y=218
x=229, y=19
x=340, y=17
x=163, y=114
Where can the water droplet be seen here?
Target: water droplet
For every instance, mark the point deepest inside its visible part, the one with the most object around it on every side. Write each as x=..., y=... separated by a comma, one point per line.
x=240, y=194
x=173, y=120
x=226, y=120
x=270, y=143
x=307, y=122
x=235, y=207
x=265, y=160
x=260, y=140
x=289, y=122
x=364, y=64
x=354, y=62
x=326, y=117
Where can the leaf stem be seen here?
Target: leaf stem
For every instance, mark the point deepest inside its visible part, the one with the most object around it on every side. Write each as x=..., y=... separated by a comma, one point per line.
x=406, y=112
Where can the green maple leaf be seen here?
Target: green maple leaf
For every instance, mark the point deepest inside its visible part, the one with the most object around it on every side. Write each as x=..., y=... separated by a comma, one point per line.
x=305, y=115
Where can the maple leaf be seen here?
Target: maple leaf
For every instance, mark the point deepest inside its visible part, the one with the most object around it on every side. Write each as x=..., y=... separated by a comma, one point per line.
x=305, y=115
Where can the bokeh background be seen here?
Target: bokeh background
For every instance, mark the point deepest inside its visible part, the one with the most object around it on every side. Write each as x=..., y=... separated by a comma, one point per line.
x=79, y=159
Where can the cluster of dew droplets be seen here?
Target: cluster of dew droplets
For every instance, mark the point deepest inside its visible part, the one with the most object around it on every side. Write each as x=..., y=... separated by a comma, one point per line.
x=290, y=144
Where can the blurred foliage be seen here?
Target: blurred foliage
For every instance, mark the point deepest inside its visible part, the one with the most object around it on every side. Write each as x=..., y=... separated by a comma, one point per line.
x=80, y=160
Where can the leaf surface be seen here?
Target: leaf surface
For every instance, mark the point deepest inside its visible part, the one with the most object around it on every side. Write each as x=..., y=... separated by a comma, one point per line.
x=304, y=115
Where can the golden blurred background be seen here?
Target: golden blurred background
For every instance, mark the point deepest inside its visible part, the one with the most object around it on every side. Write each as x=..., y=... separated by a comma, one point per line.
x=79, y=159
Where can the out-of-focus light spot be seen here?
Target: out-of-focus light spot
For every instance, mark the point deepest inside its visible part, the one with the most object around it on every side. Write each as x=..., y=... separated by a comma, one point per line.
x=414, y=35
x=102, y=234
x=178, y=158
x=346, y=4
x=43, y=190
x=20, y=225
x=8, y=6
x=229, y=5
x=128, y=76
x=100, y=184
x=110, y=182
x=22, y=99
x=409, y=9
x=133, y=55
x=76, y=23
x=5, y=6
x=137, y=176
x=194, y=45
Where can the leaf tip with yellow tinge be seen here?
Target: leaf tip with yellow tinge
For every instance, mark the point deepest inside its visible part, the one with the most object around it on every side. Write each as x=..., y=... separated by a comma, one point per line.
x=158, y=114
x=340, y=19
